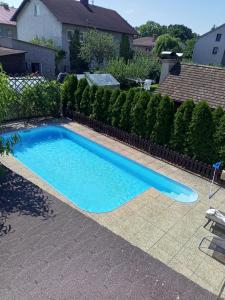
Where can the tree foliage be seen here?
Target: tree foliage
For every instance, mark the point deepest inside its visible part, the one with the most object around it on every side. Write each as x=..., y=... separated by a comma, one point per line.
x=201, y=133
x=220, y=139
x=151, y=114
x=138, y=114
x=117, y=108
x=97, y=47
x=182, y=120
x=189, y=48
x=167, y=43
x=165, y=114
x=79, y=93
x=85, y=106
x=151, y=29
x=98, y=107
x=125, y=121
x=67, y=90
x=125, y=49
x=115, y=94
x=77, y=64
x=180, y=31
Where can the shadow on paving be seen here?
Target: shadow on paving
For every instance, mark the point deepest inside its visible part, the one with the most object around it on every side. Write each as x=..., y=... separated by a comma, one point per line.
x=70, y=256
x=18, y=195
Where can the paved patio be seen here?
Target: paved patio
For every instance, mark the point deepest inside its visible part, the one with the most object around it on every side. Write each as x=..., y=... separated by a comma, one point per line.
x=165, y=229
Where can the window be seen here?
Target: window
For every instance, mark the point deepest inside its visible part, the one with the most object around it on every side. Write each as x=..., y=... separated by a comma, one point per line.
x=218, y=37
x=69, y=35
x=36, y=10
x=215, y=50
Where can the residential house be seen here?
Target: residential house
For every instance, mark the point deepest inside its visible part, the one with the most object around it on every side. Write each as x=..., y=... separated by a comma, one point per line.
x=7, y=27
x=23, y=57
x=183, y=81
x=210, y=48
x=57, y=20
x=144, y=44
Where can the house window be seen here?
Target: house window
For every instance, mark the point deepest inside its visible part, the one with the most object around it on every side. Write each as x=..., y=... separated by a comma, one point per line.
x=215, y=50
x=218, y=37
x=36, y=10
x=69, y=35
x=81, y=37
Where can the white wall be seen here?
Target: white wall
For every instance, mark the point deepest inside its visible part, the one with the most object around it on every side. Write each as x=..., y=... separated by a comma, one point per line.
x=43, y=25
x=204, y=46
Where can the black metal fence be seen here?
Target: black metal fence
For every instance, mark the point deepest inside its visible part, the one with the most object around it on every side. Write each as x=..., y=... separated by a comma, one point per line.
x=162, y=152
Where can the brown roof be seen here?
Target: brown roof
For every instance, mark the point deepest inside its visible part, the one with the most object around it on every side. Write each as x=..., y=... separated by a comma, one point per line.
x=6, y=15
x=75, y=13
x=144, y=42
x=9, y=51
x=197, y=82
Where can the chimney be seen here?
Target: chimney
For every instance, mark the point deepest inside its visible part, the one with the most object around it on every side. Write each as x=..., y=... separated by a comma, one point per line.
x=169, y=60
x=85, y=2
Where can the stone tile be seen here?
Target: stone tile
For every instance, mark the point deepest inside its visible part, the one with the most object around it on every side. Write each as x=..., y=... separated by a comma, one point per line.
x=168, y=244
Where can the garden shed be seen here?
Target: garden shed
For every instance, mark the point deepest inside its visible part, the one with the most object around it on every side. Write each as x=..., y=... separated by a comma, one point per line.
x=104, y=80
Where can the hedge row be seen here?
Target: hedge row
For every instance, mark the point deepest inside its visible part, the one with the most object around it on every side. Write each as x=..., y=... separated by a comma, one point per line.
x=192, y=129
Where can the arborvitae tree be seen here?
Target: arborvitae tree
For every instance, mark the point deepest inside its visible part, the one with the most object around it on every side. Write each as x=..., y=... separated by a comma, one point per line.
x=105, y=104
x=85, y=105
x=165, y=114
x=79, y=92
x=151, y=113
x=218, y=113
x=67, y=91
x=116, y=109
x=97, y=108
x=125, y=50
x=77, y=64
x=201, y=133
x=125, y=121
x=220, y=139
x=139, y=120
x=182, y=120
x=93, y=90
x=113, y=98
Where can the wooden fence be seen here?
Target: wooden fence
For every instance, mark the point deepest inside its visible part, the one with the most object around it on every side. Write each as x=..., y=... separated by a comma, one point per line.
x=162, y=152
x=18, y=83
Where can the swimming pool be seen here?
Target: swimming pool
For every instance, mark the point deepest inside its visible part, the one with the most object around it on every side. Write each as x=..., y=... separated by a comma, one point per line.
x=91, y=176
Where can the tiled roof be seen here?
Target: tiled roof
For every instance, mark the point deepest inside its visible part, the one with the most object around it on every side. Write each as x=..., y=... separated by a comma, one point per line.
x=197, y=82
x=75, y=13
x=9, y=51
x=6, y=15
x=144, y=42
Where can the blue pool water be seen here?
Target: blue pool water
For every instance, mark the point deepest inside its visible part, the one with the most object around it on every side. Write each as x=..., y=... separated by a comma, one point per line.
x=93, y=177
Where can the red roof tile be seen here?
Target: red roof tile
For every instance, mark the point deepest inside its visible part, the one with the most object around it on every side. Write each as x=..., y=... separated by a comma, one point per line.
x=6, y=15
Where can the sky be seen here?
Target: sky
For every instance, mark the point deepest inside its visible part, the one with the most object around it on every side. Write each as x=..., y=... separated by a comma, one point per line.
x=199, y=15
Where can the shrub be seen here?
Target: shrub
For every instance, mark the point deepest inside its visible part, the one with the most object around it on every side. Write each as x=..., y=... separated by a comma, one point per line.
x=220, y=139
x=125, y=121
x=151, y=113
x=182, y=119
x=202, y=133
x=162, y=129
x=85, y=105
x=116, y=109
x=93, y=90
x=218, y=113
x=67, y=91
x=97, y=112
x=79, y=93
x=139, y=120
x=105, y=104
x=113, y=98
x=52, y=99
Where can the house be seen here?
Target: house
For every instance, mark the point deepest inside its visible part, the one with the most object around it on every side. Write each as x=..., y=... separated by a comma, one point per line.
x=144, y=44
x=183, y=81
x=36, y=58
x=57, y=20
x=210, y=48
x=12, y=61
x=7, y=27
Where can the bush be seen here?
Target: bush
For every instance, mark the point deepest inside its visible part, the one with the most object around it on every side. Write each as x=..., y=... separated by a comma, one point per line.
x=125, y=121
x=105, y=104
x=93, y=90
x=151, y=114
x=162, y=129
x=218, y=113
x=139, y=120
x=67, y=90
x=182, y=120
x=220, y=139
x=117, y=108
x=202, y=133
x=79, y=93
x=97, y=112
x=85, y=105
x=113, y=98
